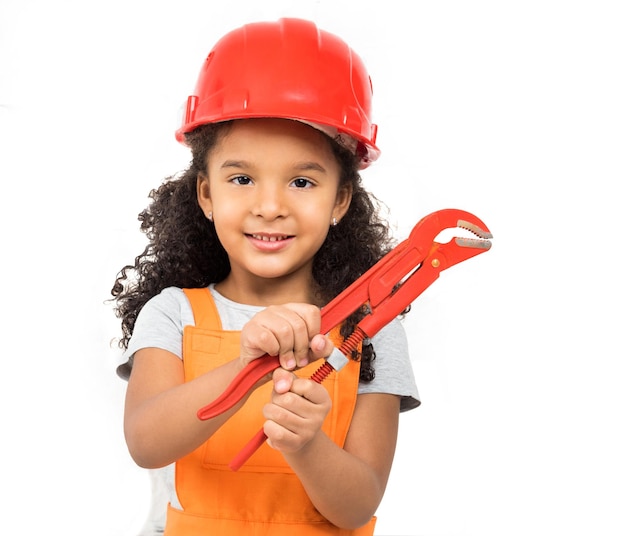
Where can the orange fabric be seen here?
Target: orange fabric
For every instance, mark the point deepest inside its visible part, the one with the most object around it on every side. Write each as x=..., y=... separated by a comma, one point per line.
x=264, y=497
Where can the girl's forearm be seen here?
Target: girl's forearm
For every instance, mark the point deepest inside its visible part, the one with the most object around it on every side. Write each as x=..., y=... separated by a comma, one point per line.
x=165, y=427
x=342, y=487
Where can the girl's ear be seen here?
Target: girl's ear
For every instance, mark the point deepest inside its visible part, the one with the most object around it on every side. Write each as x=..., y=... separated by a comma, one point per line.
x=342, y=203
x=204, y=195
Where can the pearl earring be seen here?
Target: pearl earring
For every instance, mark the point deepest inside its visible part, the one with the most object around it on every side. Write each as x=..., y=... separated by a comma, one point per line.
x=334, y=222
x=210, y=216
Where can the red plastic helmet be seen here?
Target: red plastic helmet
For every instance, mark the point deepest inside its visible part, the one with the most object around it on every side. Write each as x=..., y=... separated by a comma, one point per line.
x=288, y=69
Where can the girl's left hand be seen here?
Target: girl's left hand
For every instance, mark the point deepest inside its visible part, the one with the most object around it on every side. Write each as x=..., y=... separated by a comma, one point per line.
x=296, y=412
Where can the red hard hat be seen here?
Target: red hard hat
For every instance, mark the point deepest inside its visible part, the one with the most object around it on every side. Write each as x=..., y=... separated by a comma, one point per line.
x=289, y=69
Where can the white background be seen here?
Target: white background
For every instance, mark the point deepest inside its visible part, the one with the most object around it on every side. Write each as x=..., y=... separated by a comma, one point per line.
x=514, y=111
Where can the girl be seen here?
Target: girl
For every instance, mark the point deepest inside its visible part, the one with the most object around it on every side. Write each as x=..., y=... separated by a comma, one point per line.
x=269, y=222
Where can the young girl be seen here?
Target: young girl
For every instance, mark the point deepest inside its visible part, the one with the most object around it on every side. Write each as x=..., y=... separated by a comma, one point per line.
x=269, y=222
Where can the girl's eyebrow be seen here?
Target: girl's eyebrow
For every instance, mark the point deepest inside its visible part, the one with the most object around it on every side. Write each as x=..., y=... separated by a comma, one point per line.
x=309, y=166
x=234, y=164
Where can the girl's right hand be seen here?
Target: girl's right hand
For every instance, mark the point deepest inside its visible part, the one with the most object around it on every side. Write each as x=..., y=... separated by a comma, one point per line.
x=286, y=331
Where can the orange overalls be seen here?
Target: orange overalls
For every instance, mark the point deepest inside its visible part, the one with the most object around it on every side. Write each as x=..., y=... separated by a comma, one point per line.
x=264, y=497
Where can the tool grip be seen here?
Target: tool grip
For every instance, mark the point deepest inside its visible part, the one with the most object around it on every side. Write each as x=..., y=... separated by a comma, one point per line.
x=240, y=386
x=248, y=450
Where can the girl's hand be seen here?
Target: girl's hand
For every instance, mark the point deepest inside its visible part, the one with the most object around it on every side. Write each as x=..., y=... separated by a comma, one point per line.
x=296, y=412
x=289, y=331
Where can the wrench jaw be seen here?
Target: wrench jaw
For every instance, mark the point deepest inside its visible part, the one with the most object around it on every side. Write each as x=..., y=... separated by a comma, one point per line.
x=427, y=229
x=459, y=249
x=477, y=227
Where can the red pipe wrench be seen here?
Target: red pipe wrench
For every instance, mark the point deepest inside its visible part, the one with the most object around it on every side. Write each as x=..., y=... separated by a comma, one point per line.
x=387, y=289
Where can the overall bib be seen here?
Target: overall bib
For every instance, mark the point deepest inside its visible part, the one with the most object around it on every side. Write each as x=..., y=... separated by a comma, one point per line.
x=264, y=497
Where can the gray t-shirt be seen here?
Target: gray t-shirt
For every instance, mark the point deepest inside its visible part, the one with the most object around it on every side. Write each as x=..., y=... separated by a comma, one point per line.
x=160, y=324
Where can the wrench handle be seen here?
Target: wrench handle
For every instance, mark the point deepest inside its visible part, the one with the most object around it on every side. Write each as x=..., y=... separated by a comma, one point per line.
x=248, y=450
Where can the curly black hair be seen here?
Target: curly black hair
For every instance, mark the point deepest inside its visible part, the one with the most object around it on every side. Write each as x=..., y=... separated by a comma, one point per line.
x=183, y=249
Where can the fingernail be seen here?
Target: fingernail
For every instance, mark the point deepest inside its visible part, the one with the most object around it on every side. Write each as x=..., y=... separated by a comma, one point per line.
x=291, y=363
x=319, y=344
x=282, y=386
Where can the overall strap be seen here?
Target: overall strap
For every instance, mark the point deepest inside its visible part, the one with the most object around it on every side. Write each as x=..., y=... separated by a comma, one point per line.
x=204, y=310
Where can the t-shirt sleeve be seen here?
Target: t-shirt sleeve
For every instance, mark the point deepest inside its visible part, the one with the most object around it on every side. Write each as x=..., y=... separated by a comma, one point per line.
x=392, y=366
x=159, y=324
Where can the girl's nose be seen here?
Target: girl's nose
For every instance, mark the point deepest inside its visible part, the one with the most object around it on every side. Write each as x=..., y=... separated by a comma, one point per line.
x=269, y=202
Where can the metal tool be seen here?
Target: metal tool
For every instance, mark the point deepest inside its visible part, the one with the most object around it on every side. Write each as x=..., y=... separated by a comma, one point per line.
x=387, y=289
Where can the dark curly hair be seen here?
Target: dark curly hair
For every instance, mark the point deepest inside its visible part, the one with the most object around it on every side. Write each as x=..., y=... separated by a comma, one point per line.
x=183, y=249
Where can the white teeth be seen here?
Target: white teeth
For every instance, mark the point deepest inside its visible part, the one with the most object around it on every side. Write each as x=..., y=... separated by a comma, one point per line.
x=268, y=238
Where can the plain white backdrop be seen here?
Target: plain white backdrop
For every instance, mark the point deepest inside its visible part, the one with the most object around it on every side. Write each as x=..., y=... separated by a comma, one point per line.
x=514, y=111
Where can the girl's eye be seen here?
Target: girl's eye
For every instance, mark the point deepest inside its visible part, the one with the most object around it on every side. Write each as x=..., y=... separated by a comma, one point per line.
x=301, y=182
x=241, y=179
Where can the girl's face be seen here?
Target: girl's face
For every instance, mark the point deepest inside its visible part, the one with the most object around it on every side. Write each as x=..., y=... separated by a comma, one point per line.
x=272, y=187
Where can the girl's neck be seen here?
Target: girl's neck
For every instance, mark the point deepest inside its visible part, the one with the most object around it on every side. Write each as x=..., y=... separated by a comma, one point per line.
x=264, y=292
